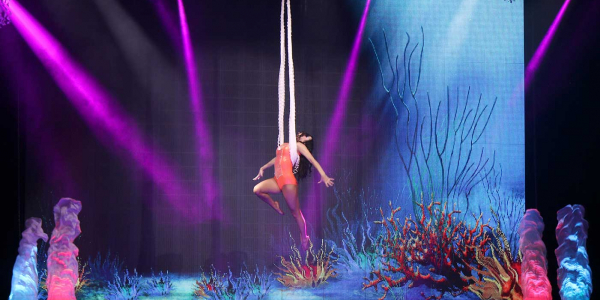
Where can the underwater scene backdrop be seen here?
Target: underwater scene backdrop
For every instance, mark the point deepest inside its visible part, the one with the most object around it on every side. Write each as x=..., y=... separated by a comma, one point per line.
x=416, y=109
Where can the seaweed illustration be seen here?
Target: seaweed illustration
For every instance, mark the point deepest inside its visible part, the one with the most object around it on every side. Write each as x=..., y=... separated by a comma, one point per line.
x=258, y=283
x=438, y=152
x=439, y=148
x=221, y=286
x=353, y=239
x=103, y=269
x=506, y=208
x=159, y=286
x=126, y=287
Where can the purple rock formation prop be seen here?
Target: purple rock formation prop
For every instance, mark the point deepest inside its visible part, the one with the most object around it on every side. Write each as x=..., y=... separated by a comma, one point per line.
x=62, y=254
x=534, y=266
x=574, y=273
x=25, y=276
x=4, y=13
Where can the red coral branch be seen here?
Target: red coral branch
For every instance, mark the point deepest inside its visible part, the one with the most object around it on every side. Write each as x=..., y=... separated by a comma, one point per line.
x=435, y=250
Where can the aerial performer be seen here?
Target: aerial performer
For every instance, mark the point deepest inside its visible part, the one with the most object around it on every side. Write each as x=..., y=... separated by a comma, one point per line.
x=293, y=160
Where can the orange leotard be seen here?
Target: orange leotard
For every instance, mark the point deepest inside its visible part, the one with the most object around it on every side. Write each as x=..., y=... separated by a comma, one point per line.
x=284, y=173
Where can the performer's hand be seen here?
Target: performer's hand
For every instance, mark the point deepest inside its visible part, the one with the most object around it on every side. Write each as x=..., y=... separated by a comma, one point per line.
x=328, y=181
x=260, y=174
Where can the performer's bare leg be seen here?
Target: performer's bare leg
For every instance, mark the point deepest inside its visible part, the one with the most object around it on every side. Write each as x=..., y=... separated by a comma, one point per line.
x=266, y=187
x=290, y=193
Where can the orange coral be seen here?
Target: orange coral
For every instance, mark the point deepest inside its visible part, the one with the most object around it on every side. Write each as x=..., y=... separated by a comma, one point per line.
x=82, y=280
x=203, y=286
x=315, y=269
x=499, y=277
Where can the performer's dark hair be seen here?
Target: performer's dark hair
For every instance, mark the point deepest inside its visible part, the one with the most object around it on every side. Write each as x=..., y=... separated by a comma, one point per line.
x=305, y=167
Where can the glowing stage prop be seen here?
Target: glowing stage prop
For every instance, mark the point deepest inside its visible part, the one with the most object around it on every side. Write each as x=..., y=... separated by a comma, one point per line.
x=281, y=88
x=62, y=254
x=4, y=13
x=534, y=266
x=25, y=276
x=574, y=273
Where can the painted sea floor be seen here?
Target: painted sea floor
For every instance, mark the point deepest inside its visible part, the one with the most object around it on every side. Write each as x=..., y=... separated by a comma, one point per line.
x=336, y=288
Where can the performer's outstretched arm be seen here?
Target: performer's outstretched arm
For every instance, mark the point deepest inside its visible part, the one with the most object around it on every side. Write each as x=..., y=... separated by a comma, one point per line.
x=262, y=169
x=324, y=178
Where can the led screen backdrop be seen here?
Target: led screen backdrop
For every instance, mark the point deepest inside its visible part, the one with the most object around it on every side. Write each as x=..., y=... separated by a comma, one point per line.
x=158, y=115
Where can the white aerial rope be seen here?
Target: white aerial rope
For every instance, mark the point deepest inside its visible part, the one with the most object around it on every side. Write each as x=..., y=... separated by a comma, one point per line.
x=281, y=88
x=281, y=84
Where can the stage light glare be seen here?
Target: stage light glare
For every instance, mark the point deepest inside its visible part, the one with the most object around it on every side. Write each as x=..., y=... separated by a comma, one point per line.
x=101, y=112
x=335, y=124
x=332, y=136
x=536, y=60
x=170, y=25
x=203, y=136
x=138, y=48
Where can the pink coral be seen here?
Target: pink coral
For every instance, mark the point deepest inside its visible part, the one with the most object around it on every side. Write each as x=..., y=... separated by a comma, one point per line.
x=62, y=254
x=534, y=278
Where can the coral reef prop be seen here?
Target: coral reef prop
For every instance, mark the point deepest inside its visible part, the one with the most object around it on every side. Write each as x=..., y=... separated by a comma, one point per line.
x=435, y=250
x=159, y=286
x=82, y=281
x=259, y=283
x=440, y=251
x=204, y=286
x=574, y=273
x=43, y=289
x=497, y=275
x=62, y=254
x=25, y=274
x=126, y=288
x=534, y=266
x=103, y=269
x=215, y=285
x=313, y=271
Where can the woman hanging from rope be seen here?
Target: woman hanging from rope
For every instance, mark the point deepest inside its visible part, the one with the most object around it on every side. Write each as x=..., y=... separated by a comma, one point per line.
x=286, y=182
x=294, y=159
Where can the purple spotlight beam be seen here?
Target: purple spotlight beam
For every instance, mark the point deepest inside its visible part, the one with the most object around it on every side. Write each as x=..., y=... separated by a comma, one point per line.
x=333, y=130
x=203, y=137
x=168, y=22
x=541, y=50
x=339, y=113
x=102, y=114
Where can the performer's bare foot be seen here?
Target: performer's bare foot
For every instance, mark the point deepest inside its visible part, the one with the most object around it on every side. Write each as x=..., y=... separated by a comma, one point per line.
x=275, y=206
x=305, y=243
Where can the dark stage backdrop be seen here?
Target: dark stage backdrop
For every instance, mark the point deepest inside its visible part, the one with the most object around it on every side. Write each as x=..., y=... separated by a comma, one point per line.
x=563, y=139
x=133, y=57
